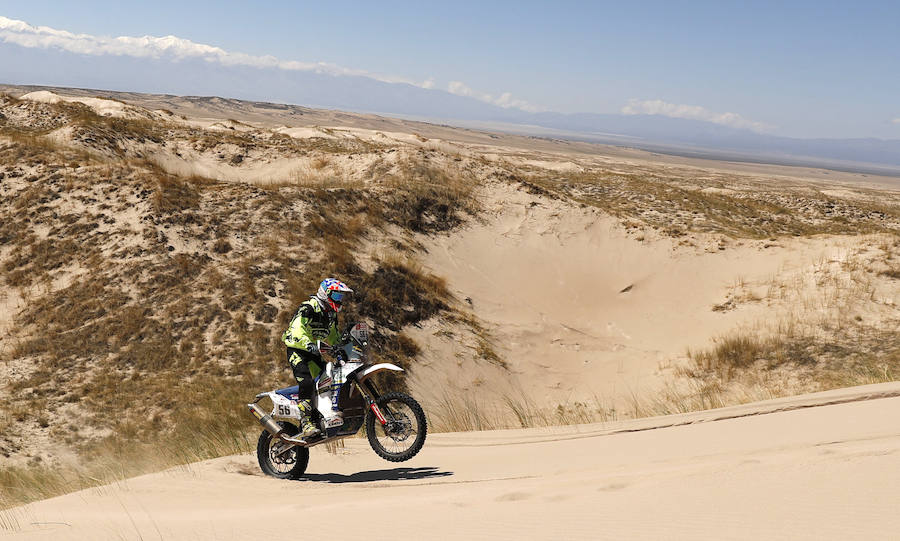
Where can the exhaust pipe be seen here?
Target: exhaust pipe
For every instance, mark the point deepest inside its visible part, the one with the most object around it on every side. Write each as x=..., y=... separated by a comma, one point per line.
x=265, y=420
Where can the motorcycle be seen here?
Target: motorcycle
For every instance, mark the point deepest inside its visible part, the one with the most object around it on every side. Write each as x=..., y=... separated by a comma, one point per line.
x=346, y=398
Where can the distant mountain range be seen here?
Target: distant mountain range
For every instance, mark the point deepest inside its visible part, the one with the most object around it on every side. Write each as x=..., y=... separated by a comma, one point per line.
x=365, y=94
x=662, y=130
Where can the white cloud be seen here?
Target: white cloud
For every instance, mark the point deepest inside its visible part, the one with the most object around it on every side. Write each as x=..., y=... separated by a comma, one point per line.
x=175, y=48
x=694, y=112
x=167, y=47
x=460, y=89
x=896, y=120
x=504, y=100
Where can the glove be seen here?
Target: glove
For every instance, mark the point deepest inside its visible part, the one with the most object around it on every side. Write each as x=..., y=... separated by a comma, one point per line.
x=313, y=347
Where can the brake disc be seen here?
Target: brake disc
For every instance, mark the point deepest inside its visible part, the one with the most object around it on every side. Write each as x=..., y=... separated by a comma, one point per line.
x=400, y=429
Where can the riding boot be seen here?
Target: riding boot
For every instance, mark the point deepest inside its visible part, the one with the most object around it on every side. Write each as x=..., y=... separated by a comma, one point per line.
x=307, y=428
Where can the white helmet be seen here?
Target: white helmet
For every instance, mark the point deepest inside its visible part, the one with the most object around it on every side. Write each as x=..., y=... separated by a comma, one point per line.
x=332, y=292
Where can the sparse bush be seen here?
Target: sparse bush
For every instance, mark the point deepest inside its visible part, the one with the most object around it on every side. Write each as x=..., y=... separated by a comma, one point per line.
x=222, y=246
x=427, y=199
x=400, y=293
x=851, y=355
x=173, y=196
x=459, y=411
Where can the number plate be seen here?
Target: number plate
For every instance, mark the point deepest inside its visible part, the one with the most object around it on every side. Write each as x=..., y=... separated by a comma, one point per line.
x=284, y=410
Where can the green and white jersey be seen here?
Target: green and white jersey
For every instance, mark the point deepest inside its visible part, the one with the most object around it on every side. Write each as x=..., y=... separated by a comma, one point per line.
x=311, y=322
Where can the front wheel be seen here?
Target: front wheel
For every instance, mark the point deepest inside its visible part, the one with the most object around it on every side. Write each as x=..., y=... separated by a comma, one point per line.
x=280, y=459
x=404, y=434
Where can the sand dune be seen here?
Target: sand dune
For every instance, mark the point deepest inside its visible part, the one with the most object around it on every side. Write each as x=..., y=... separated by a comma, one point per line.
x=826, y=472
x=581, y=310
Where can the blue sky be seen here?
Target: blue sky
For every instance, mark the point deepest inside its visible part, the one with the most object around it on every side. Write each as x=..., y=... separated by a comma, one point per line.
x=808, y=69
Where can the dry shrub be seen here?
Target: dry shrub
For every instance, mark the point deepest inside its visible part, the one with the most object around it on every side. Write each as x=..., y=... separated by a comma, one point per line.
x=32, y=142
x=400, y=292
x=109, y=129
x=425, y=198
x=173, y=195
x=736, y=352
x=32, y=259
x=483, y=337
x=851, y=355
x=731, y=352
x=222, y=246
x=459, y=411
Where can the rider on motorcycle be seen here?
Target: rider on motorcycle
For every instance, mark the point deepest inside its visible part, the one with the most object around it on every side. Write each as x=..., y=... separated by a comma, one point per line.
x=316, y=319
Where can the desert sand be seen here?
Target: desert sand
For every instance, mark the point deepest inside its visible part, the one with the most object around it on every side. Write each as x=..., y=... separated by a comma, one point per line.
x=584, y=311
x=794, y=468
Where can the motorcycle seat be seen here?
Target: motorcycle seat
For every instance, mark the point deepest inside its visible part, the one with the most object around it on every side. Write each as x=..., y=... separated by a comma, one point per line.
x=289, y=392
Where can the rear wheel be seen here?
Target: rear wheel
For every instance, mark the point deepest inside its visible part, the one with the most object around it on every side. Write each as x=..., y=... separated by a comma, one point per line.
x=404, y=434
x=280, y=459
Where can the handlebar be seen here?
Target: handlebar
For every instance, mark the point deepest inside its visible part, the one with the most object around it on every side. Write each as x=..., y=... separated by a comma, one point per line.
x=334, y=352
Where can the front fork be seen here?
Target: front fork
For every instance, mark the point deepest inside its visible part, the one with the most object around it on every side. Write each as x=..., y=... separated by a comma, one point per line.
x=369, y=393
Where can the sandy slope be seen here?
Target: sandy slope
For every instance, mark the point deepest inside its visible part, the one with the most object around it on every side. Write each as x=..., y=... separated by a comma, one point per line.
x=824, y=472
x=581, y=310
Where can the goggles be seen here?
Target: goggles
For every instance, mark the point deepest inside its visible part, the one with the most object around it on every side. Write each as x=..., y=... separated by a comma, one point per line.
x=336, y=296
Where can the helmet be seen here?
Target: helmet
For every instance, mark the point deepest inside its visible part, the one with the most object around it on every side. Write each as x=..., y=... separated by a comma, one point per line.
x=332, y=292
